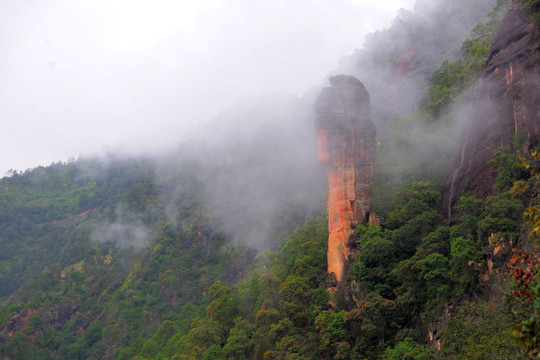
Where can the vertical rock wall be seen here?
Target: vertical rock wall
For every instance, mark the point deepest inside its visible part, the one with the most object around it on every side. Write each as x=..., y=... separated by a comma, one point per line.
x=346, y=150
x=505, y=103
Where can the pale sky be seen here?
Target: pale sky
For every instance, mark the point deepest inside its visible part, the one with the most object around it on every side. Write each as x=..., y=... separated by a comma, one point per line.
x=80, y=77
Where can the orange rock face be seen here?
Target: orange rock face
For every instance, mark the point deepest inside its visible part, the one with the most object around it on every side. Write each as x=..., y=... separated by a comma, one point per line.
x=346, y=150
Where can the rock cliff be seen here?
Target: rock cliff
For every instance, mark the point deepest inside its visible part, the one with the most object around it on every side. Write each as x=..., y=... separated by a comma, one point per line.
x=346, y=150
x=505, y=102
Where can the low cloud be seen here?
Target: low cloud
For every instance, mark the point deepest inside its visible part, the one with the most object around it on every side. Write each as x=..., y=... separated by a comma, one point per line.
x=126, y=231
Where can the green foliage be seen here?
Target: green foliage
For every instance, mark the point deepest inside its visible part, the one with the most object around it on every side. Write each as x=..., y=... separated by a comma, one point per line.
x=120, y=297
x=214, y=352
x=377, y=256
x=370, y=324
x=524, y=268
x=526, y=334
x=203, y=333
x=434, y=271
x=404, y=272
x=508, y=169
x=190, y=294
x=502, y=217
x=239, y=345
x=408, y=349
x=470, y=211
x=332, y=331
x=413, y=217
x=449, y=80
x=479, y=332
x=293, y=298
x=78, y=277
x=533, y=8
x=36, y=320
x=141, y=195
x=465, y=264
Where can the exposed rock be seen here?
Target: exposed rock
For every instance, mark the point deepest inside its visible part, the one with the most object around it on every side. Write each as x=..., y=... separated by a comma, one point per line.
x=20, y=321
x=17, y=323
x=506, y=102
x=346, y=150
x=63, y=312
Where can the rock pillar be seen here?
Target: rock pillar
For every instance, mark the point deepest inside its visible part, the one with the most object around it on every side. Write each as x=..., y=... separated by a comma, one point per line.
x=346, y=150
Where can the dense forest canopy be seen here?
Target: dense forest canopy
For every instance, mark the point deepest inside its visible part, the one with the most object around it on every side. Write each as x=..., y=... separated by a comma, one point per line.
x=218, y=249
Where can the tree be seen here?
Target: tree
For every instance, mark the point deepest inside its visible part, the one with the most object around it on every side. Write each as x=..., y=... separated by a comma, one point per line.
x=434, y=272
x=214, y=352
x=408, y=349
x=203, y=333
x=466, y=263
x=239, y=345
x=376, y=259
x=332, y=331
x=293, y=300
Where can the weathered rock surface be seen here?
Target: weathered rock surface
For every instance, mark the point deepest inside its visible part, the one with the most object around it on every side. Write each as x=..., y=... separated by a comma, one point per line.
x=17, y=323
x=20, y=321
x=506, y=101
x=346, y=150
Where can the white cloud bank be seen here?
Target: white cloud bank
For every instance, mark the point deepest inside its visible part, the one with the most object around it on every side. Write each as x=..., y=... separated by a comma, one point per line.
x=86, y=76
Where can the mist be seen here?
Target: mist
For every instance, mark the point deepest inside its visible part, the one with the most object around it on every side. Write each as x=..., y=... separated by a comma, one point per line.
x=230, y=107
x=395, y=65
x=126, y=230
x=141, y=76
x=258, y=166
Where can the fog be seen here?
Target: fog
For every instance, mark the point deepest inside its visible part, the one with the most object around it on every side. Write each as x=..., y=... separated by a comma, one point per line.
x=126, y=231
x=83, y=77
x=258, y=164
x=223, y=91
x=395, y=65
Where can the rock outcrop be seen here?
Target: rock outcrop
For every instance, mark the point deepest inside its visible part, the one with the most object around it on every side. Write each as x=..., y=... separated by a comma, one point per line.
x=505, y=102
x=21, y=321
x=346, y=150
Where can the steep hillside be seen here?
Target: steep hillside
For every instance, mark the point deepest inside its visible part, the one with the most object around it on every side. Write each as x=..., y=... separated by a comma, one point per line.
x=504, y=108
x=220, y=250
x=121, y=245
x=89, y=256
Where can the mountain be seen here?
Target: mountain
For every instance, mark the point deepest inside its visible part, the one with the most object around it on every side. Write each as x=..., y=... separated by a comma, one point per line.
x=220, y=248
x=503, y=109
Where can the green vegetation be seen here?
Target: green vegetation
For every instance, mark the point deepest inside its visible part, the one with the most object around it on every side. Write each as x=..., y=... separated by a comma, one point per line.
x=94, y=266
x=533, y=8
x=417, y=147
x=450, y=81
x=87, y=289
x=407, y=274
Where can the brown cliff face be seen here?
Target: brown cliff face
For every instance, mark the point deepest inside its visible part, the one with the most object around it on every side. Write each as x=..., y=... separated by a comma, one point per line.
x=346, y=150
x=506, y=101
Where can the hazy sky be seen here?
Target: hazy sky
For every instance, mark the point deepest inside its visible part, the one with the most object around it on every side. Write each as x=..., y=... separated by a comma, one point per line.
x=78, y=77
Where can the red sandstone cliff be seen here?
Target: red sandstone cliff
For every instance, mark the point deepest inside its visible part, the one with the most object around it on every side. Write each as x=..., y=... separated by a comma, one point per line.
x=346, y=150
x=506, y=100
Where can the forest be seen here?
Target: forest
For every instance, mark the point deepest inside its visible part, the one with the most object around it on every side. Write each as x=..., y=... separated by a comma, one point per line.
x=149, y=258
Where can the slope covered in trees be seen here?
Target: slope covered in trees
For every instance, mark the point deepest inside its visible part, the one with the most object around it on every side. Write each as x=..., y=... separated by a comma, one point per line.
x=124, y=259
